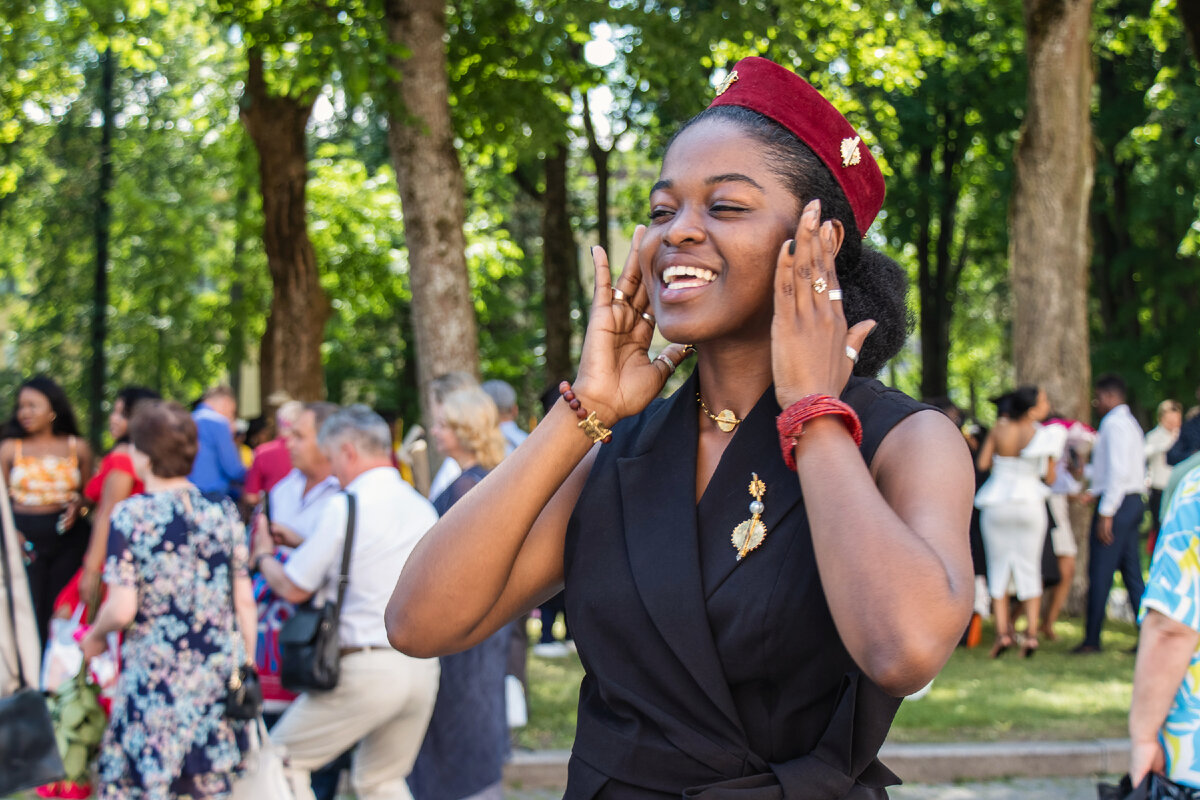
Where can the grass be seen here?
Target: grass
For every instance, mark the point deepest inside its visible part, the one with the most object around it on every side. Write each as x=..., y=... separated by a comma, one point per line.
x=1054, y=695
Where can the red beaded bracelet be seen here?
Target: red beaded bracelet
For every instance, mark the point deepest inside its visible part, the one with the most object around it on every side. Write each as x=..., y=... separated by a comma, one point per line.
x=791, y=422
x=589, y=423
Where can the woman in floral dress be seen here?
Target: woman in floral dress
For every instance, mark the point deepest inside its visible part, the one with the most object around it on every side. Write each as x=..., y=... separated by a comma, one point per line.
x=174, y=557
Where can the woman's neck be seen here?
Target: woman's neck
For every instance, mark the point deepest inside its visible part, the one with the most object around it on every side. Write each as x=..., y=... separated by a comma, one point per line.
x=733, y=375
x=465, y=460
x=154, y=483
x=41, y=437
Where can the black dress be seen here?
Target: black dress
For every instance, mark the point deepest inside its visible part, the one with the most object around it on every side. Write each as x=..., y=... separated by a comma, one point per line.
x=466, y=744
x=708, y=677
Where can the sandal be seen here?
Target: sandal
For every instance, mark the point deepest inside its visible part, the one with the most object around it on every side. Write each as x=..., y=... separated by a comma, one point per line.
x=1030, y=647
x=1002, y=644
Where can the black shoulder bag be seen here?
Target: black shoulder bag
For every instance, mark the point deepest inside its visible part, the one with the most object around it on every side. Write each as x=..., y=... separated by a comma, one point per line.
x=29, y=754
x=309, y=649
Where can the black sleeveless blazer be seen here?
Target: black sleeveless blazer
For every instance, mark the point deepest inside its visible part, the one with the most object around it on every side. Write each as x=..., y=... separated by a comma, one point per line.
x=708, y=677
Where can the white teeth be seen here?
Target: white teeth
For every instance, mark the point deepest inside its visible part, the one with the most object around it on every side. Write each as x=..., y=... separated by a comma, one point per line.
x=671, y=274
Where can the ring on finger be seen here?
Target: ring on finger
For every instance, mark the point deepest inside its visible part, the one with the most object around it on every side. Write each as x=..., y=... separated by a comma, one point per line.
x=618, y=296
x=646, y=315
x=671, y=365
x=835, y=294
x=820, y=284
x=852, y=354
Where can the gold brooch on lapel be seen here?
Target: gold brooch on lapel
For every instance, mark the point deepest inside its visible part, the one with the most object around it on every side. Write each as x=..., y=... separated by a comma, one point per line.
x=750, y=534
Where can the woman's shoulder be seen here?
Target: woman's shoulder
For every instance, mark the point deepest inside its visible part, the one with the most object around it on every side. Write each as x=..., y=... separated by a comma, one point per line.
x=872, y=396
x=133, y=508
x=117, y=459
x=880, y=408
x=629, y=431
x=214, y=504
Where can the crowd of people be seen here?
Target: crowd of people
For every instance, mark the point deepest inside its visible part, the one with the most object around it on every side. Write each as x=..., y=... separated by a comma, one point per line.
x=1029, y=466
x=204, y=557
x=758, y=664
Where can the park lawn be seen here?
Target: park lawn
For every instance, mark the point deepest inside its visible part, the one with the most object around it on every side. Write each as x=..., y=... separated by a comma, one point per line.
x=1054, y=695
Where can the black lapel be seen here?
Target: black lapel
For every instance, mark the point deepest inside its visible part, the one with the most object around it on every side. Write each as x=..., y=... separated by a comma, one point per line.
x=658, y=493
x=726, y=501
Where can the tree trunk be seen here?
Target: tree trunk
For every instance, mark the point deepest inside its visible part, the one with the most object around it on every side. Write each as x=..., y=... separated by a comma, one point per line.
x=599, y=156
x=560, y=262
x=291, y=348
x=1048, y=216
x=933, y=359
x=1189, y=12
x=103, y=221
x=430, y=182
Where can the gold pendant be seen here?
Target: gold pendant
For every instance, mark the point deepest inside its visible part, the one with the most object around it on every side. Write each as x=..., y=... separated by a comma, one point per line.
x=726, y=420
x=750, y=534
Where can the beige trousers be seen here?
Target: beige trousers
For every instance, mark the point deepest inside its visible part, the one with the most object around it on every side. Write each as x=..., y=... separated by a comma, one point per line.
x=383, y=702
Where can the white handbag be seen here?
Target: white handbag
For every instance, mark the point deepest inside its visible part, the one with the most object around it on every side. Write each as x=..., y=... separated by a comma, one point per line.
x=265, y=777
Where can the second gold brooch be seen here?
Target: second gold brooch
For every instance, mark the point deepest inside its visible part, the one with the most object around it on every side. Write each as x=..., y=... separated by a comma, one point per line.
x=750, y=533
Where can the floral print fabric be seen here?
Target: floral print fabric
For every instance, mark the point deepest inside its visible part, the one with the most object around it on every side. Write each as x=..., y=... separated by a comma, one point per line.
x=167, y=737
x=1174, y=590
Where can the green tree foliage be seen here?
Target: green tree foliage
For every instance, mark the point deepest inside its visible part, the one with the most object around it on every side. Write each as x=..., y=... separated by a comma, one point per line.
x=935, y=87
x=1146, y=205
x=175, y=222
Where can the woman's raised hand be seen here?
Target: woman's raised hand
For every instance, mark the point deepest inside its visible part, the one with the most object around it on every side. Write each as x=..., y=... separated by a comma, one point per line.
x=812, y=352
x=617, y=377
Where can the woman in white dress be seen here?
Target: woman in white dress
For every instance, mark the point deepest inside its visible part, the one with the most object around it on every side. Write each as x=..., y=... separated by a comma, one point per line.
x=1021, y=455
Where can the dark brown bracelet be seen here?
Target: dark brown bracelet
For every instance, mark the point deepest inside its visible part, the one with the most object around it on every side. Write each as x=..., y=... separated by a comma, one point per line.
x=589, y=423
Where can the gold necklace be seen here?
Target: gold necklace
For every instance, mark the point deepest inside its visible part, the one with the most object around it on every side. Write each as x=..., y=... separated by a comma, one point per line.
x=727, y=421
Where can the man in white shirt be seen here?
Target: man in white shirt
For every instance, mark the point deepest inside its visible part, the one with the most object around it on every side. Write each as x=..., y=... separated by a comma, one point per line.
x=1117, y=477
x=295, y=505
x=384, y=698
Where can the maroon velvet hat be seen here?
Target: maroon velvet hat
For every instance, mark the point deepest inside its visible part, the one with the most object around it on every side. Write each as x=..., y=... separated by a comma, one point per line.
x=776, y=92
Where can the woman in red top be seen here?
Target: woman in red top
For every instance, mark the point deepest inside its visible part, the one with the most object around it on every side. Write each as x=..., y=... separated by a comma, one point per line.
x=113, y=482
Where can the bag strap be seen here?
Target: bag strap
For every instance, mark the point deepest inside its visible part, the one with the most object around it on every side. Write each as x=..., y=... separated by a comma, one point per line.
x=12, y=609
x=344, y=575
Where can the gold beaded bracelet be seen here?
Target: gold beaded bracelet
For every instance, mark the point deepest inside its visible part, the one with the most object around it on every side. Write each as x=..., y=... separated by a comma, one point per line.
x=589, y=423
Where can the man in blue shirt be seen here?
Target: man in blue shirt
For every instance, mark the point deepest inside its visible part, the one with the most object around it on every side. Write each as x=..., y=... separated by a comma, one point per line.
x=218, y=464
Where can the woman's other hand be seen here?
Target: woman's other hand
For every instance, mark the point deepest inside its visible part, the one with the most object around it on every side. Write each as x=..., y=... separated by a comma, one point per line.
x=809, y=338
x=283, y=535
x=71, y=513
x=89, y=585
x=617, y=377
x=263, y=543
x=1145, y=757
x=92, y=644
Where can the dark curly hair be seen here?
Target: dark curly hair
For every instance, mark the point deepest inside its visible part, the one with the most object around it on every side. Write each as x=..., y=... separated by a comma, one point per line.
x=875, y=287
x=64, y=423
x=1016, y=404
x=130, y=396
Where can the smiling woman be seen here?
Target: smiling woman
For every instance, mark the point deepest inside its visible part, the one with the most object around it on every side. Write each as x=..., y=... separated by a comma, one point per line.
x=751, y=590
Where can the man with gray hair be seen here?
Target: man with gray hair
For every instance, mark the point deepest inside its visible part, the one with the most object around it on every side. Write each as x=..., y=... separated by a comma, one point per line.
x=384, y=698
x=505, y=398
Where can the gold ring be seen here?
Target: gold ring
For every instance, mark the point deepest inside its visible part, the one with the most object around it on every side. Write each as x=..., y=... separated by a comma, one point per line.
x=820, y=285
x=648, y=317
x=618, y=296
